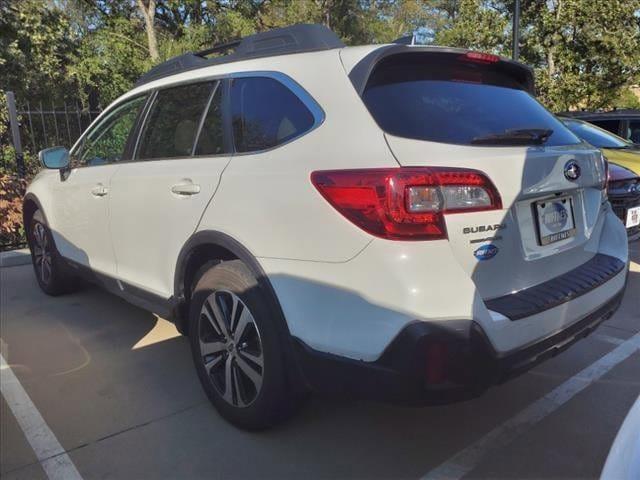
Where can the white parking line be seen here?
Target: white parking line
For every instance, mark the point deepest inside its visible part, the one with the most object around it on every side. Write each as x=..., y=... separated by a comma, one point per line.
x=466, y=460
x=52, y=457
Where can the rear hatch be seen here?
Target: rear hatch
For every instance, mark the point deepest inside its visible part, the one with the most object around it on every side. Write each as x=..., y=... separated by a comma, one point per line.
x=475, y=111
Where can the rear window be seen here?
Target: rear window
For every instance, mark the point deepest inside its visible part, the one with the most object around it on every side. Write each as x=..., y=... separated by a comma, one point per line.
x=595, y=136
x=438, y=98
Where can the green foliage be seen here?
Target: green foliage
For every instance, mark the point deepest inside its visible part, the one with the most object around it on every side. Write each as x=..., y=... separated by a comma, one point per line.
x=584, y=51
x=35, y=43
x=108, y=60
x=478, y=25
x=627, y=99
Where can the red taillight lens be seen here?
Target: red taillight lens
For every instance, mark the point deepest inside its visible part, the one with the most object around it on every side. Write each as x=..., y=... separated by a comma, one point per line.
x=479, y=57
x=406, y=203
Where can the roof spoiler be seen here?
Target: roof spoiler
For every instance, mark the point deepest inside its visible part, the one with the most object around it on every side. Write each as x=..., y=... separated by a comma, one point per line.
x=280, y=41
x=360, y=73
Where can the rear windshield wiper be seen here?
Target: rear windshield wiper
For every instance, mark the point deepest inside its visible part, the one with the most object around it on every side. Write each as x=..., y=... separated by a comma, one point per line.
x=522, y=136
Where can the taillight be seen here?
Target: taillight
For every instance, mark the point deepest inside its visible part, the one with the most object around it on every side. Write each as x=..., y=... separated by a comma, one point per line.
x=406, y=203
x=480, y=57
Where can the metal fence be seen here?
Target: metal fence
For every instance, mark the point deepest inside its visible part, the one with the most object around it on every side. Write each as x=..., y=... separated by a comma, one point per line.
x=40, y=125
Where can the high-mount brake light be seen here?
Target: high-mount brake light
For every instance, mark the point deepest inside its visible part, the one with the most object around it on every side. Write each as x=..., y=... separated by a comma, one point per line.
x=406, y=203
x=480, y=57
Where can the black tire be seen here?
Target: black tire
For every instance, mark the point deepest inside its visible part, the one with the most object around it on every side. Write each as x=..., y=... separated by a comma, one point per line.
x=52, y=274
x=244, y=405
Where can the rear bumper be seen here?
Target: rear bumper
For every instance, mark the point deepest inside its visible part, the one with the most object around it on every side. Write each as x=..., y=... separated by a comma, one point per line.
x=438, y=362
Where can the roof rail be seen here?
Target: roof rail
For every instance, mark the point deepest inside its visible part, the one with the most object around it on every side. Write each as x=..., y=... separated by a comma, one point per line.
x=280, y=41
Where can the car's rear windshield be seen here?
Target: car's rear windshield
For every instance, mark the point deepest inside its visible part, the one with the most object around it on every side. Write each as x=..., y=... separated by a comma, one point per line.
x=596, y=136
x=449, y=99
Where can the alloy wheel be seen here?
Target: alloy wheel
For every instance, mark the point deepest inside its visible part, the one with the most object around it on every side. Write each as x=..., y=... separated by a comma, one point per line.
x=231, y=348
x=42, y=253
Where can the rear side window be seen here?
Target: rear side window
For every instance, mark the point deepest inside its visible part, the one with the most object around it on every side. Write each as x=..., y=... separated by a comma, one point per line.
x=445, y=99
x=173, y=121
x=265, y=113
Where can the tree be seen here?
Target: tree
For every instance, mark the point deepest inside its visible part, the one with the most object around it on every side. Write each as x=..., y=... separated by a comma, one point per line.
x=35, y=42
x=148, y=11
x=477, y=25
x=585, y=52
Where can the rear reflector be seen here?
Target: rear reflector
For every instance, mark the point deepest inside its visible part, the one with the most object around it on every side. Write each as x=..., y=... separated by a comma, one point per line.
x=436, y=363
x=406, y=203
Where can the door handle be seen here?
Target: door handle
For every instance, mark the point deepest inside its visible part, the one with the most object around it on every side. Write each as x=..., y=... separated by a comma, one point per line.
x=185, y=189
x=99, y=190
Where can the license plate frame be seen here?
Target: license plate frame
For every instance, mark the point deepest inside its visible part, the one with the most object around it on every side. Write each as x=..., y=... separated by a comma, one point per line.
x=555, y=220
x=633, y=217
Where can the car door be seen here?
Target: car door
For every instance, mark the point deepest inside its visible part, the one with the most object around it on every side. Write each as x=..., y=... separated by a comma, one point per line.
x=157, y=200
x=80, y=211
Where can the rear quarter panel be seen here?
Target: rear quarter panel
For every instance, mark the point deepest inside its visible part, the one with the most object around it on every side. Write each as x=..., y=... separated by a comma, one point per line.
x=266, y=200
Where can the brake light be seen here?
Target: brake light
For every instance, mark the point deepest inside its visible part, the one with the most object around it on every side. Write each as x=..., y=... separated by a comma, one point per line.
x=479, y=57
x=406, y=203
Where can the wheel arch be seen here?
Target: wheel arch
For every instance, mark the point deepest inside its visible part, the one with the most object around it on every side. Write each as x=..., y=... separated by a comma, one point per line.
x=30, y=205
x=207, y=248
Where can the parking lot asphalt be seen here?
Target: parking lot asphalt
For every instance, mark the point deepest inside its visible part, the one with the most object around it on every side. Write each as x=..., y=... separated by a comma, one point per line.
x=115, y=386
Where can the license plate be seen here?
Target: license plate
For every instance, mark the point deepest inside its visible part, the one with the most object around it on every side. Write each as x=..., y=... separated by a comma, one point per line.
x=555, y=220
x=633, y=217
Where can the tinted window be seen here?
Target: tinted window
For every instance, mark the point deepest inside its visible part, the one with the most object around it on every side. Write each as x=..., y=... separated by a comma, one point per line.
x=595, y=136
x=105, y=143
x=173, y=120
x=428, y=97
x=265, y=113
x=634, y=131
x=211, y=139
x=612, y=126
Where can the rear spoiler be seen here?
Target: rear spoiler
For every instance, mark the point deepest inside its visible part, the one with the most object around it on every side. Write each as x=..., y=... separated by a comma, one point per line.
x=360, y=73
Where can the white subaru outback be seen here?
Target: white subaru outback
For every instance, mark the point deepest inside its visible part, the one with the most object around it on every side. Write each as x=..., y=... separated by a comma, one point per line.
x=401, y=222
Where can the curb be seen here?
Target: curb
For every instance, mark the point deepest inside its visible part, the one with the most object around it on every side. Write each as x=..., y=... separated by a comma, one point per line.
x=14, y=258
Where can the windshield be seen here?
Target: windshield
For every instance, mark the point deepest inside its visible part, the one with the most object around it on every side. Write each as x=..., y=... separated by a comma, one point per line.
x=449, y=100
x=596, y=136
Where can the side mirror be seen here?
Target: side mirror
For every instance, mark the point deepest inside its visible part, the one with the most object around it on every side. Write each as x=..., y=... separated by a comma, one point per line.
x=56, y=158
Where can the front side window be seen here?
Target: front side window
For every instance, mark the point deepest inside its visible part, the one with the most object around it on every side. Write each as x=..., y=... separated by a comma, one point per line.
x=173, y=121
x=106, y=142
x=437, y=98
x=265, y=114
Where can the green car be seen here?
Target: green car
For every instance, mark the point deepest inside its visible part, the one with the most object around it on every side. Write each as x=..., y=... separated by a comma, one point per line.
x=616, y=149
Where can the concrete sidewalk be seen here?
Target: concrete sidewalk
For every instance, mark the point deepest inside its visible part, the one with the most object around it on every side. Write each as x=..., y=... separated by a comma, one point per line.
x=14, y=258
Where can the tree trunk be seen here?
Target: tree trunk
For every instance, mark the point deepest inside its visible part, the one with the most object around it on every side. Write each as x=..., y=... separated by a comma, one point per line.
x=148, y=10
